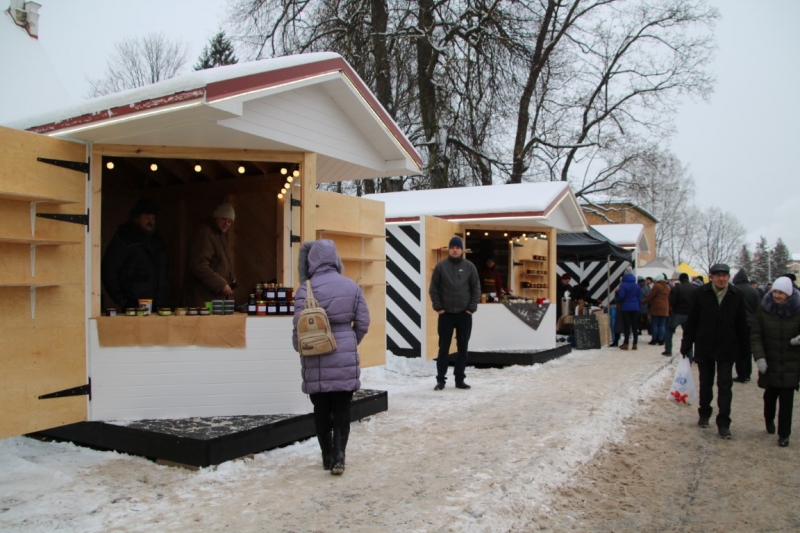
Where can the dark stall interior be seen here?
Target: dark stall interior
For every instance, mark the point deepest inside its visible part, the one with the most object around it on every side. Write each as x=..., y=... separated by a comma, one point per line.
x=187, y=191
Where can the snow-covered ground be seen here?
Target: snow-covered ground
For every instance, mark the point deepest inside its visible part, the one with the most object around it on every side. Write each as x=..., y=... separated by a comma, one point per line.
x=488, y=459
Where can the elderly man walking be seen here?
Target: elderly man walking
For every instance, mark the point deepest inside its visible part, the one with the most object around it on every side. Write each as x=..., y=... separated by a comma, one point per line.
x=717, y=327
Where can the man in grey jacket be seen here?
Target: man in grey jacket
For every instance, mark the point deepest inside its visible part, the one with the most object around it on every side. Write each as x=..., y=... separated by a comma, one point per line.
x=455, y=291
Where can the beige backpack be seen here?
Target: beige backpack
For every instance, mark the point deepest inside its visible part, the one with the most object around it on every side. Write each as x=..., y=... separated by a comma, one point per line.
x=314, y=335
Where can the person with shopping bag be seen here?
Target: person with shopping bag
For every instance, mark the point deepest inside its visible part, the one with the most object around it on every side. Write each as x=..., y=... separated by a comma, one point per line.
x=775, y=340
x=331, y=379
x=717, y=327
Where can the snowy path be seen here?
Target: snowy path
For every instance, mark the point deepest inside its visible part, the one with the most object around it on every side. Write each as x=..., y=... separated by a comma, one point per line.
x=488, y=459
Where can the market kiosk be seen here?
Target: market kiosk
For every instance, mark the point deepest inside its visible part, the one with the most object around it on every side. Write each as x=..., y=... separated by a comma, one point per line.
x=260, y=135
x=515, y=224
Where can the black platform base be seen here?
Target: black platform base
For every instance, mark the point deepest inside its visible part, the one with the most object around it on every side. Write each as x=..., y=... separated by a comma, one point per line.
x=206, y=441
x=515, y=357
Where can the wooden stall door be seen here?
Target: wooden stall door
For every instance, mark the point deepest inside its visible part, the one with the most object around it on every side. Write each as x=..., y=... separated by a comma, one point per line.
x=438, y=233
x=42, y=284
x=357, y=226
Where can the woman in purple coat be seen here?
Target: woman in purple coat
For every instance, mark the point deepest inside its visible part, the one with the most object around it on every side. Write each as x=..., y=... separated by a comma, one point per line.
x=330, y=380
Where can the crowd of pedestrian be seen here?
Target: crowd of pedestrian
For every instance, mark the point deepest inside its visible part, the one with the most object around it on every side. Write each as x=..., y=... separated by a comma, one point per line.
x=726, y=324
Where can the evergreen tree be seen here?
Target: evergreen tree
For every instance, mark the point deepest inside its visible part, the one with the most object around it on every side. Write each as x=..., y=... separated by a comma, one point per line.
x=218, y=52
x=780, y=258
x=762, y=271
x=745, y=260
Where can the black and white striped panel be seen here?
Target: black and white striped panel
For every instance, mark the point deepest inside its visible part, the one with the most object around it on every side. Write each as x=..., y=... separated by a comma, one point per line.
x=404, y=295
x=597, y=274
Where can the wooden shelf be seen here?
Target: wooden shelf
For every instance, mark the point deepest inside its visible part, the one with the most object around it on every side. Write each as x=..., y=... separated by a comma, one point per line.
x=352, y=234
x=38, y=285
x=35, y=198
x=38, y=242
x=364, y=259
x=373, y=284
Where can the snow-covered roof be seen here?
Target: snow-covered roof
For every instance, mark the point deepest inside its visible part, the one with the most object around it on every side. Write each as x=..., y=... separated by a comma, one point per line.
x=307, y=102
x=608, y=202
x=545, y=204
x=625, y=235
x=29, y=79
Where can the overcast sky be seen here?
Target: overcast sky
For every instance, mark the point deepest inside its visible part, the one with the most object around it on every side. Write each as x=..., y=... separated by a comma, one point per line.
x=738, y=146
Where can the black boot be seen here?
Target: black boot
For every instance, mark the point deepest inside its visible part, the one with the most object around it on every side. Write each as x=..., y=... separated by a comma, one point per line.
x=325, y=446
x=337, y=452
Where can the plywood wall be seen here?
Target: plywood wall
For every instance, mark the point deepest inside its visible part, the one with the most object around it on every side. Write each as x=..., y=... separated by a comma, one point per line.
x=43, y=339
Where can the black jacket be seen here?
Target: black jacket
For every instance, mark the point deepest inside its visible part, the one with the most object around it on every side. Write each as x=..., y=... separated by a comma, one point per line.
x=135, y=266
x=455, y=286
x=752, y=300
x=717, y=330
x=774, y=327
x=680, y=298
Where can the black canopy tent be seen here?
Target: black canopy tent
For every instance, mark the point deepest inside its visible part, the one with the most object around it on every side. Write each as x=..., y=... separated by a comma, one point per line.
x=591, y=246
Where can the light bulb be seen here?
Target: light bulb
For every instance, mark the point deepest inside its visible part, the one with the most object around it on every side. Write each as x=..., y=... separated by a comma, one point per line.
x=289, y=179
x=110, y=165
x=467, y=234
x=485, y=233
x=286, y=186
x=296, y=173
x=505, y=234
x=198, y=168
x=153, y=167
x=283, y=191
x=284, y=171
x=280, y=196
x=241, y=170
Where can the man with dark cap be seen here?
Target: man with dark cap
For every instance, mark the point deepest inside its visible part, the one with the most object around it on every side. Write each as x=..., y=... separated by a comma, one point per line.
x=134, y=266
x=680, y=302
x=455, y=291
x=744, y=366
x=717, y=327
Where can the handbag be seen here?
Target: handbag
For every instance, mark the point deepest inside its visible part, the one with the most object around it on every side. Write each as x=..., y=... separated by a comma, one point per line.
x=683, y=391
x=314, y=335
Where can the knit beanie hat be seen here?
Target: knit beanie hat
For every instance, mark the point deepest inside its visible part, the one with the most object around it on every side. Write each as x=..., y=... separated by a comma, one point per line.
x=224, y=211
x=456, y=241
x=784, y=285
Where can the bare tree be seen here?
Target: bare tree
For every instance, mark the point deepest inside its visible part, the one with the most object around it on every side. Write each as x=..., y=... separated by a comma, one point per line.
x=661, y=184
x=719, y=239
x=140, y=61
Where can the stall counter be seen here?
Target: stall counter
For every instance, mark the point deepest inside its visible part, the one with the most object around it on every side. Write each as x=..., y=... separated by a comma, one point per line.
x=157, y=382
x=496, y=328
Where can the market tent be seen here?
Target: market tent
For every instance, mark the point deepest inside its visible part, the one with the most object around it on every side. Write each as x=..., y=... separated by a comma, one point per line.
x=657, y=267
x=630, y=236
x=684, y=267
x=589, y=246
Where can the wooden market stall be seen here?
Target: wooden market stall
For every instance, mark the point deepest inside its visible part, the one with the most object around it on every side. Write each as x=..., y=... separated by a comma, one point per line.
x=516, y=224
x=234, y=134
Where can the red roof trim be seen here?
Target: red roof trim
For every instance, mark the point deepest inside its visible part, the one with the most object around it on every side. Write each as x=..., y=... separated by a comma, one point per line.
x=120, y=110
x=227, y=88
x=263, y=80
x=403, y=219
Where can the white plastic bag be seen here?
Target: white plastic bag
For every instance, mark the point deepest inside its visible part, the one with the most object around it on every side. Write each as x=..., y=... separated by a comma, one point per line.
x=683, y=391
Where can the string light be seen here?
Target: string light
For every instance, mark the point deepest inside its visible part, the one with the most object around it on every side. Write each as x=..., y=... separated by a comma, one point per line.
x=110, y=165
x=296, y=173
x=198, y=168
x=241, y=169
x=284, y=171
x=289, y=179
x=153, y=167
x=280, y=196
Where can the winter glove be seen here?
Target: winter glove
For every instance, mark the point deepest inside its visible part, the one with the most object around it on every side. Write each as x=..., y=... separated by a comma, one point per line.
x=762, y=366
x=795, y=341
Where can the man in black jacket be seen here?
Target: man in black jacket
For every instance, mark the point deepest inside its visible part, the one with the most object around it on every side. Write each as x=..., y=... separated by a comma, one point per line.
x=717, y=327
x=744, y=366
x=680, y=302
x=135, y=263
x=455, y=291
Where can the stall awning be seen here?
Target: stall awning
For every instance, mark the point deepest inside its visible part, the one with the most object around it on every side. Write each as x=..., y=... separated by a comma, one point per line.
x=589, y=246
x=302, y=103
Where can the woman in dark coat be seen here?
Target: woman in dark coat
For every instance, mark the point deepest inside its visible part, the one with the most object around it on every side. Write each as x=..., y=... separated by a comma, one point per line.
x=330, y=380
x=209, y=262
x=775, y=340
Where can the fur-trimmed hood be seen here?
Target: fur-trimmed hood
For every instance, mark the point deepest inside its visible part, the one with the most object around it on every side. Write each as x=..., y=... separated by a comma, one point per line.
x=790, y=308
x=317, y=256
